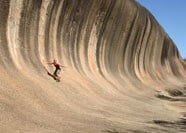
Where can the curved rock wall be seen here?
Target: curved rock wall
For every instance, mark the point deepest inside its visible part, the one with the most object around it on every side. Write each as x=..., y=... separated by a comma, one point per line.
x=97, y=37
x=113, y=48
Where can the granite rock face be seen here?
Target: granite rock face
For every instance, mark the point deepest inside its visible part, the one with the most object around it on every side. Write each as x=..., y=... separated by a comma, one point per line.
x=123, y=73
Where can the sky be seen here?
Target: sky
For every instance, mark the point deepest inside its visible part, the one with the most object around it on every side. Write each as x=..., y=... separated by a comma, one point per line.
x=171, y=14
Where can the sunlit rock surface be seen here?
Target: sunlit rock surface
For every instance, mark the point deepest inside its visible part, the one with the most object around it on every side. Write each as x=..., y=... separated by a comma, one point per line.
x=123, y=73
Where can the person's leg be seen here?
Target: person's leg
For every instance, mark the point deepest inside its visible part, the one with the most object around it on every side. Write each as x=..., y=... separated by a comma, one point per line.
x=56, y=72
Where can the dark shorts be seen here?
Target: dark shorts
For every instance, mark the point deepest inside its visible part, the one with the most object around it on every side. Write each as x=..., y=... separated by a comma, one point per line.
x=57, y=71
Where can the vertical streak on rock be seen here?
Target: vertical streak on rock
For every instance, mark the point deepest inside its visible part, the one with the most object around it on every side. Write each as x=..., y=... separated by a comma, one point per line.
x=48, y=35
x=54, y=31
x=5, y=55
x=42, y=27
x=4, y=52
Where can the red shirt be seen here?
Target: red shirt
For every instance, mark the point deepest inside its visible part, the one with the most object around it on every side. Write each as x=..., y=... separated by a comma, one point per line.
x=57, y=66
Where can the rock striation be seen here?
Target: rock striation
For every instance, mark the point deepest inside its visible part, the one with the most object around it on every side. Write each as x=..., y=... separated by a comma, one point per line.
x=123, y=72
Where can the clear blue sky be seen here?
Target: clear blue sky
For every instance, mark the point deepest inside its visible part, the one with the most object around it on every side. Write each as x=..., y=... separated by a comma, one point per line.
x=171, y=14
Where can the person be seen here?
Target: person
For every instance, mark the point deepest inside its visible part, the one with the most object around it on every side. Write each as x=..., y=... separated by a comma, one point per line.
x=57, y=66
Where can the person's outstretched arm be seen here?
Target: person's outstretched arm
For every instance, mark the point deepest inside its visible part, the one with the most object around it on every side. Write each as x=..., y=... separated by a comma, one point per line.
x=62, y=66
x=50, y=63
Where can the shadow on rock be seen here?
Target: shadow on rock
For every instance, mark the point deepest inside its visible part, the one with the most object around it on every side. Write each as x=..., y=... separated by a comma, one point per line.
x=180, y=125
x=111, y=131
